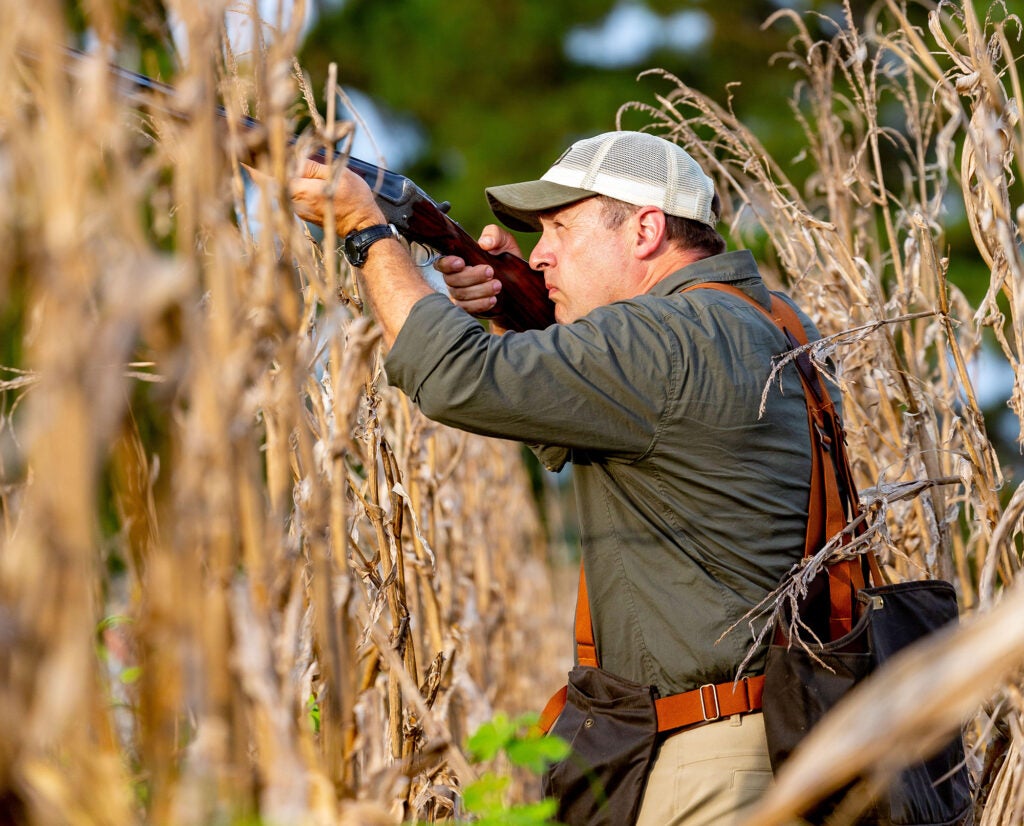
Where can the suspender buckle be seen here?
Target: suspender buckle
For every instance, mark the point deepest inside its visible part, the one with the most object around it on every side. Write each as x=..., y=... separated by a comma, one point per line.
x=704, y=705
x=823, y=438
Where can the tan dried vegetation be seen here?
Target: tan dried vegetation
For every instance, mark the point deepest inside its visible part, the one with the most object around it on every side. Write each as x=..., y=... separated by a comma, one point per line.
x=243, y=580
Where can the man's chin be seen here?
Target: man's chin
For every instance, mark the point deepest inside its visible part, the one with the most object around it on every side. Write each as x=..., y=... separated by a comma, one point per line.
x=563, y=315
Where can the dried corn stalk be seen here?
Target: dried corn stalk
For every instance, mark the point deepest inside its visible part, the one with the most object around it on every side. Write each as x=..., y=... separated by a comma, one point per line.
x=240, y=576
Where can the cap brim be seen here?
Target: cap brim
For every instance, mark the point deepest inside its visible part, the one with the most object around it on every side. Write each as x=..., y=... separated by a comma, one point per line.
x=517, y=206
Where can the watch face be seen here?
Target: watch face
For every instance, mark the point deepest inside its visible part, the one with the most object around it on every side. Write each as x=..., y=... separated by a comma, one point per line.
x=356, y=256
x=358, y=243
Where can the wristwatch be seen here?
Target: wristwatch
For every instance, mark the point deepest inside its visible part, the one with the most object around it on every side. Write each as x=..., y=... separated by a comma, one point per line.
x=358, y=243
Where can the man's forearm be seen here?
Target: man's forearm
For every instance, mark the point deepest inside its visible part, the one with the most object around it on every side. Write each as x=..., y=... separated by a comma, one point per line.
x=392, y=284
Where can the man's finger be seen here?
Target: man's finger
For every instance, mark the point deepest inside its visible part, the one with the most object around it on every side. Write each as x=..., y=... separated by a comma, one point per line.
x=481, y=305
x=448, y=264
x=469, y=277
x=476, y=292
x=314, y=169
x=303, y=189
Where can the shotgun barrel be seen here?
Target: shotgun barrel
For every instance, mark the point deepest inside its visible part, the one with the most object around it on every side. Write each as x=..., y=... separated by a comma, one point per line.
x=523, y=303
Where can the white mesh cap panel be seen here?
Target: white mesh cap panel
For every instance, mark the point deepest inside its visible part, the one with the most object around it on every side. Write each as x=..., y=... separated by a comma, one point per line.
x=640, y=169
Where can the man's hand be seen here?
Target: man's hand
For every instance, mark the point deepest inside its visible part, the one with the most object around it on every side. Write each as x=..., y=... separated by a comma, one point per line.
x=392, y=283
x=354, y=205
x=475, y=289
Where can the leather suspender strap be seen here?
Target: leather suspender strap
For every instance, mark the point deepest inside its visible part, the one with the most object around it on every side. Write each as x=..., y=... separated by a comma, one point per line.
x=586, y=650
x=833, y=499
x=552, y=709
x=845, y=577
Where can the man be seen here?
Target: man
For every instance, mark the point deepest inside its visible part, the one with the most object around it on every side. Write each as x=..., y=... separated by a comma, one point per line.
x=691, y=505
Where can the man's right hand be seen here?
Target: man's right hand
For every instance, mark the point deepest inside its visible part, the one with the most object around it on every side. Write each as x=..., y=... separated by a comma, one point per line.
x=475, y=288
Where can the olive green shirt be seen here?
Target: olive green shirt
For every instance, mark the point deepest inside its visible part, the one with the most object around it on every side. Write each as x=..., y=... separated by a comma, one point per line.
x=691, y=505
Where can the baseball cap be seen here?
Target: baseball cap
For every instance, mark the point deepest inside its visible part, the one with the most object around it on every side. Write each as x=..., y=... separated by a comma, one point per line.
x=635, y=167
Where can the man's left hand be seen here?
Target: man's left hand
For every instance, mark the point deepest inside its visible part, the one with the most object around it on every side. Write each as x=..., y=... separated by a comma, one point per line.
x=353, y=201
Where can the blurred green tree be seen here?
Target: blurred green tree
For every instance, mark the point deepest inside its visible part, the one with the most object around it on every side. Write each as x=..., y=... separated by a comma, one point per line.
x=499, y=90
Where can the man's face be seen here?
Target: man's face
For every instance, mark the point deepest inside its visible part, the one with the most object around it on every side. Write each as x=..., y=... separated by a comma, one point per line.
x=585, y=264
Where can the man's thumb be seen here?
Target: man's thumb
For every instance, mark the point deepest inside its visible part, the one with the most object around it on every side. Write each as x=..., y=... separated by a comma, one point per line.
x=492, y=237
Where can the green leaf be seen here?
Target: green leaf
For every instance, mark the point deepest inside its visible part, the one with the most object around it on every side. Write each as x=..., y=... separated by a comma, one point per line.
x=525, y=746
x=314, y=713
x=484, y=796
x=491, y=738
x=113, y=621
x=530, y=814
x=538, y=752
x=527, y=720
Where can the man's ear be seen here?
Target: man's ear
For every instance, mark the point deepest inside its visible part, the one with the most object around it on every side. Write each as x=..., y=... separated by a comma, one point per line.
x=651, y=231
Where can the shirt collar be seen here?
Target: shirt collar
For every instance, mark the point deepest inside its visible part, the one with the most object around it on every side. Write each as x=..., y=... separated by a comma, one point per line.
x=729, y=267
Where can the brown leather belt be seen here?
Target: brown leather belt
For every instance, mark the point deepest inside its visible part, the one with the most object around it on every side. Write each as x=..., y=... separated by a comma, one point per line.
x=709, y=703
x=702, y=705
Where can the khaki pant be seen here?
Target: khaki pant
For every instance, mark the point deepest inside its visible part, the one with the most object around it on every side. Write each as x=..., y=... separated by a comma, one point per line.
x=708, y=775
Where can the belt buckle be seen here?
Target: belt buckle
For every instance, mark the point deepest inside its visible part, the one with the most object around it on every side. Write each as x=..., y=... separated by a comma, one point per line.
x=746, y=693
x=703, y=704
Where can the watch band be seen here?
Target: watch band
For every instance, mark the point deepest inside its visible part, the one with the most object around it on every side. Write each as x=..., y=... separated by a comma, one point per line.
x=357, y=244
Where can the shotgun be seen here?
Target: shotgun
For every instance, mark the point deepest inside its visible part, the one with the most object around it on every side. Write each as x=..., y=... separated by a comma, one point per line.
x=522, y=302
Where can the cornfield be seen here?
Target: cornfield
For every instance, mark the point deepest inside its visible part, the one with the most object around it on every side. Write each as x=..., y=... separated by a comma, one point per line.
x=243, y=580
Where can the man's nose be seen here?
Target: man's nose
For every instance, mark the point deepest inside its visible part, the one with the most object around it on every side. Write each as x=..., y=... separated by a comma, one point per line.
x=541, y=257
